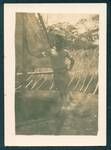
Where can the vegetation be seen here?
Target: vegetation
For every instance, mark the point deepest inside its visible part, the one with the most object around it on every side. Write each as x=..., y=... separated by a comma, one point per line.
x=37, y=105
x=82, y=45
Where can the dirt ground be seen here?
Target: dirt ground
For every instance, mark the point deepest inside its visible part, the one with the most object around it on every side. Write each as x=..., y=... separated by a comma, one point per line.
x=43, y=115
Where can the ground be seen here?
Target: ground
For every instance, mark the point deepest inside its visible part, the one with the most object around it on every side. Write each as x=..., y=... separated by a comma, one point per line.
x=42, y=114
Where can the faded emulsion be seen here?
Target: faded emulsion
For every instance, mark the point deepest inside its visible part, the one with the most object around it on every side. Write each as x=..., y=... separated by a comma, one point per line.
x=56, y=87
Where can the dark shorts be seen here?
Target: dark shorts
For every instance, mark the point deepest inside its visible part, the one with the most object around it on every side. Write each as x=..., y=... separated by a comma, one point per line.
x=61, y=80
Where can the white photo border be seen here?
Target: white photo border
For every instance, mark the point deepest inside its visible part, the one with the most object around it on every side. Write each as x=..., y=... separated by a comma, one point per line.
x=11, y=139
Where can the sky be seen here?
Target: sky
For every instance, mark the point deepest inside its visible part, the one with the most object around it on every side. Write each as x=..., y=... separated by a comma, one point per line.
x=50, y=19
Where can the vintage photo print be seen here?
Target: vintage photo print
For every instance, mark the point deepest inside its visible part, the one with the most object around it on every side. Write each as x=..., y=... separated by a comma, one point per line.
x=55, y=74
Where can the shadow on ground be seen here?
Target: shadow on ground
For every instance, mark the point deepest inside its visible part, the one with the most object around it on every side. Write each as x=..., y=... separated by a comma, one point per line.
x=39, y=112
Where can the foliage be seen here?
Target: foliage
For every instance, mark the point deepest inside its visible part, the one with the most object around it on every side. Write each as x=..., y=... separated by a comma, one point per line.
x=82, y=45
x=72, y=35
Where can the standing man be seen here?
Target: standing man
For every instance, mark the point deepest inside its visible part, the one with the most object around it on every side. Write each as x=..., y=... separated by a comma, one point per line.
x=58, y=58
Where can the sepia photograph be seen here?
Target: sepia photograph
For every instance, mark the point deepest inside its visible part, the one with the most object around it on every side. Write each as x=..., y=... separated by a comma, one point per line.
x=57, y=74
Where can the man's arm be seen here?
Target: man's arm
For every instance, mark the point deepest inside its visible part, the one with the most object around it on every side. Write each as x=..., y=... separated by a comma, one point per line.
x=45, y=53
x=71, y=60
x=50, y=52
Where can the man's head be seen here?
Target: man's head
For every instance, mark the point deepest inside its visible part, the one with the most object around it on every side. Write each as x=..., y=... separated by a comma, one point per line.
x=59, y=42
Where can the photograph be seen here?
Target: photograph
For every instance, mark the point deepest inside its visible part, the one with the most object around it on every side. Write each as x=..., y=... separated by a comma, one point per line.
x=56, y=63
x=56, y=89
